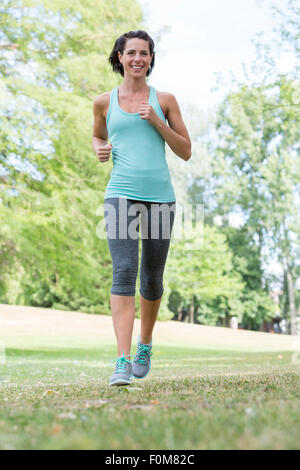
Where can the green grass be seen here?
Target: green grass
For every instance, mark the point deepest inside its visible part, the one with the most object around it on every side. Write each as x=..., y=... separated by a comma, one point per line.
x=59, y=398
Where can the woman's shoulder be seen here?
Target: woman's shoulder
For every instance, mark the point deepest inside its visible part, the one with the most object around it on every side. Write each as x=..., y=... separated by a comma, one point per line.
x=165, y=100
x=102, y=99
x=165, y=97
x=101, y=103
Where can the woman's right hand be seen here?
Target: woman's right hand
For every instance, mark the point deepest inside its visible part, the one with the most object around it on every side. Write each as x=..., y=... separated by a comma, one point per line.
x=103, y=152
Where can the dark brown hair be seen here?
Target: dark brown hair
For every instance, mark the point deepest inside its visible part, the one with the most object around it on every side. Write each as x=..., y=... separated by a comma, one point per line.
x=119, y=46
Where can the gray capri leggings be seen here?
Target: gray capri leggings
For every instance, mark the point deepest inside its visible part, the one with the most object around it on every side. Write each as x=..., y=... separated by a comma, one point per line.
x=123, y=218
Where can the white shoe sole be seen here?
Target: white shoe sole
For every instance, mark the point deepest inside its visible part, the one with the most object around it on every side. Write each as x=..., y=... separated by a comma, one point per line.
x=120, y=382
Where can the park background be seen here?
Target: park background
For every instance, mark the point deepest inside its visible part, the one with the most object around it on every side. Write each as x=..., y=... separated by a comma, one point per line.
x=234, y=73
x=234, y=69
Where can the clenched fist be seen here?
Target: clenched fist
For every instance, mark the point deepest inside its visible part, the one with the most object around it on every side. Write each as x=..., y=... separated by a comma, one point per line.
x=103, y=152
x=147, y=112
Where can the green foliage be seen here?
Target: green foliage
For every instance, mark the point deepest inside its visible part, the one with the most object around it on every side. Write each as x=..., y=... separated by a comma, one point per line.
x=202, y=269
x=54, y=63
x=258, y=307
x=175, y=301
x=7, y=253
x=50, y=180
x=257, y=171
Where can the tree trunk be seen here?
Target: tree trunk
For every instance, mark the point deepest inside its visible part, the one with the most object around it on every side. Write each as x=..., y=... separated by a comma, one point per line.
x=192, y=307
x=292, y=305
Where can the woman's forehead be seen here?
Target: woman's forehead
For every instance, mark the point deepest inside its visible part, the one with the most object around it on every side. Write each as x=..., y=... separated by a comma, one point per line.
x=136, y=43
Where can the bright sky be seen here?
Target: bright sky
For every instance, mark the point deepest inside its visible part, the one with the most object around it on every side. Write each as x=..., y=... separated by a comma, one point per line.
x=205, y=37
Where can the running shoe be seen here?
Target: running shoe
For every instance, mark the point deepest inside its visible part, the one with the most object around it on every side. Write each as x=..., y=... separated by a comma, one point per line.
x=123, y=371
x=142, y=360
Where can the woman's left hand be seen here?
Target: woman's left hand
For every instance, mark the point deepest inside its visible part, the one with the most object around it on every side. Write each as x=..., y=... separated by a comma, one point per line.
x=147, y=112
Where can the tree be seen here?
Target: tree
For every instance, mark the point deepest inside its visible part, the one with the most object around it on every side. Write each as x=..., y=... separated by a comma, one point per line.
x=53, y=64
x=203, y=274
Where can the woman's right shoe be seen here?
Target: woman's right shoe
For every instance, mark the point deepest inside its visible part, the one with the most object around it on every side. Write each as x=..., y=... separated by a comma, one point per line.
x=142, y=361
x=123, y=372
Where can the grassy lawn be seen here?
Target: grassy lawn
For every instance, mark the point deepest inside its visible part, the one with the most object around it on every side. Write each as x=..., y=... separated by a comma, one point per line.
x=57, y=396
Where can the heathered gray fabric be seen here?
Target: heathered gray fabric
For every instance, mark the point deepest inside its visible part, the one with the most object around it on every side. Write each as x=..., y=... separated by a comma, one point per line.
x=123, y=241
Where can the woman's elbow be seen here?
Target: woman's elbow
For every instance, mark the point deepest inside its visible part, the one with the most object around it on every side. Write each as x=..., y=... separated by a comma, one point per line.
x=189, y=153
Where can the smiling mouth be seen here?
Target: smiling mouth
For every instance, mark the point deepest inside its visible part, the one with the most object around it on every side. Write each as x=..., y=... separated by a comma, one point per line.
x=136, y=68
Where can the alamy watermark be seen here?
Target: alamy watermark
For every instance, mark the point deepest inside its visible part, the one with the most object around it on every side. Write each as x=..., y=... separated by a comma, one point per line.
x=156, y=221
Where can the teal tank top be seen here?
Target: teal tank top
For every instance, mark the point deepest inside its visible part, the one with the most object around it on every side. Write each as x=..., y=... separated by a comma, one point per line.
x=140, y=169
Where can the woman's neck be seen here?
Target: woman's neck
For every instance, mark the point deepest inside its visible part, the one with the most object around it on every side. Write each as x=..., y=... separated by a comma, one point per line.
x=133, y=86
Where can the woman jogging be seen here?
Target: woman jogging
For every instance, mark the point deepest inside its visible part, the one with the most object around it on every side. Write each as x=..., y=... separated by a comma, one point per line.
x=133, y=117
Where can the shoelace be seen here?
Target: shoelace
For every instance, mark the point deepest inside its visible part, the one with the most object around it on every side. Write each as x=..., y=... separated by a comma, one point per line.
x=121, y=363
x=143, y=353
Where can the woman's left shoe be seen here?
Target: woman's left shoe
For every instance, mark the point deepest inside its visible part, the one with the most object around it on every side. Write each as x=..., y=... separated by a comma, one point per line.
x=123, y=372
x=142, y=361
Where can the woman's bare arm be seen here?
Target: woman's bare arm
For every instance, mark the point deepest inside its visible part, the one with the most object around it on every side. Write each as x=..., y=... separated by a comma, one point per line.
x=176, y=134
x=100, y=136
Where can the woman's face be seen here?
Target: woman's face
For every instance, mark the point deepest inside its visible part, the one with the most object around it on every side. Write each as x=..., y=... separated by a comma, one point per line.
x=136, y=58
